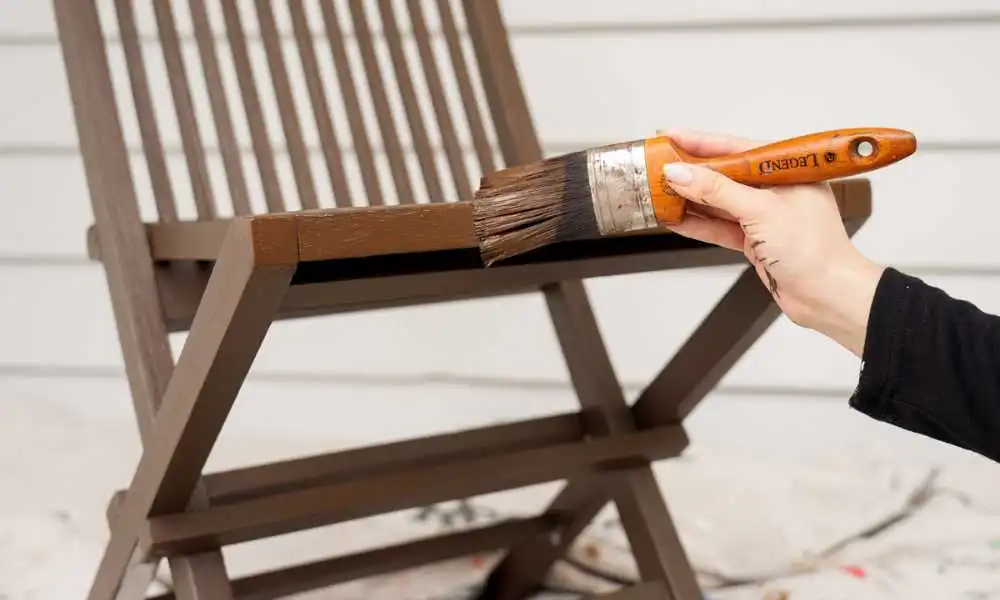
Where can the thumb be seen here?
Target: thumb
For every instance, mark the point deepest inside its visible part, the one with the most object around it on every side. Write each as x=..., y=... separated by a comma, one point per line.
x=705, y=186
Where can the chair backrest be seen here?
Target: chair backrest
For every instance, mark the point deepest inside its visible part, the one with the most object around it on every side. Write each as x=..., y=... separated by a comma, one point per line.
x=129, y=105
x=231, y=107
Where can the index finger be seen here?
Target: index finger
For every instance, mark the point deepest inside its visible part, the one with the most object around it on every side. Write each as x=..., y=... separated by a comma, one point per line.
x=702, y=144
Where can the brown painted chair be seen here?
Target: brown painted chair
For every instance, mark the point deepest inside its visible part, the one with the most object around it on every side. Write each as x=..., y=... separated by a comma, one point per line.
x=225, y=279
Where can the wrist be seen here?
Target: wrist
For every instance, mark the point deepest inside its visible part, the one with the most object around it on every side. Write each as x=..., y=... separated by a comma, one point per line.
x=843, y=303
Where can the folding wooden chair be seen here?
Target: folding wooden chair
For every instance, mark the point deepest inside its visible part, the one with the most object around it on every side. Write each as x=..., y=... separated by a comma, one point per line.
x=224, y=279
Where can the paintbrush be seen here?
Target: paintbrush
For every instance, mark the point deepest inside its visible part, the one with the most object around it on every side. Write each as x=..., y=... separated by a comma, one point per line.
x=620, y=188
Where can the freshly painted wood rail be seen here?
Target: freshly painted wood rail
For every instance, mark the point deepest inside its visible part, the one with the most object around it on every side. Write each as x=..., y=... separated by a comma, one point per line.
x=225, y=280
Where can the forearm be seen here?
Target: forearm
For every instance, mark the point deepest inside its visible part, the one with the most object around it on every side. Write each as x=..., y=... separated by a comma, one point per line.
x=930, y=365
x=843, y=306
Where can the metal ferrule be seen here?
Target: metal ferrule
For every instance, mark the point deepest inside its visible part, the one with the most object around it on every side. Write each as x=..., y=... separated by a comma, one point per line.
x=619, y=187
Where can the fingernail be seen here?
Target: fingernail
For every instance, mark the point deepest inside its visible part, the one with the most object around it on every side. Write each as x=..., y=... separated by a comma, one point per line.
x=678, y=173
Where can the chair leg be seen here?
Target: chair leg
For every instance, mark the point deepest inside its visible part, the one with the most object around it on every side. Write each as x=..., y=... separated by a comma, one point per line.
x=201, y=577
x=197, y=577
x=743, y=314
x=243, y=295
x=193, y=577
x=647, y=523
x=125, y=253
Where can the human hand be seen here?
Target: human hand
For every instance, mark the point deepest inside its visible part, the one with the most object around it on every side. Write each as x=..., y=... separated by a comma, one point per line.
x=792, y=235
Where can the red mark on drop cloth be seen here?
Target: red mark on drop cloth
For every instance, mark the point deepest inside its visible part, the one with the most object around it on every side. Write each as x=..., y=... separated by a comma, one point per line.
x=854, y=571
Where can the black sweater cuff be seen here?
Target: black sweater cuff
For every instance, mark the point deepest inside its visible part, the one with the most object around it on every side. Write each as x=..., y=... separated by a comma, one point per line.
x=883, y=341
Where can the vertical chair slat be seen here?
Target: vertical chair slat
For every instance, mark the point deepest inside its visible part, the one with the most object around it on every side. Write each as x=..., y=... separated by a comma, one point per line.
x=452, y=147
x=418, y=130
x=145, y=113
x=349, y=95
x=483, y=149
x=376, y=86
x=286, y=105
x=194, y=152
x=321, y=109
x=507, y=103
x=251, y=106
x=231, y=158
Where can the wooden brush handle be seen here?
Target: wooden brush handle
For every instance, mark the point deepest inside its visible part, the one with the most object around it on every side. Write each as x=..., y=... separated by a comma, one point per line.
x=805, y=159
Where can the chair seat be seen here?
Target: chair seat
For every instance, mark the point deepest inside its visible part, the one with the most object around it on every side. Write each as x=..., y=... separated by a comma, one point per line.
x=443, y=230
x=363, y=258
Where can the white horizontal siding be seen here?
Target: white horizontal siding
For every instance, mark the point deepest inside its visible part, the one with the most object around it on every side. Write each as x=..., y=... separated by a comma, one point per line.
x=30, y=18
x=644, y=317
x=765, y=85
x=529, y=13
x=594, y=72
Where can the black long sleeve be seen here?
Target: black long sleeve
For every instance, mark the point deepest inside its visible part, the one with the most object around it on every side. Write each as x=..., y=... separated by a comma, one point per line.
x=931, y=365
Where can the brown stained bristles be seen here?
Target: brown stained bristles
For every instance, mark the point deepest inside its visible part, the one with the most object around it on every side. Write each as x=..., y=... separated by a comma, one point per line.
x=529, y=206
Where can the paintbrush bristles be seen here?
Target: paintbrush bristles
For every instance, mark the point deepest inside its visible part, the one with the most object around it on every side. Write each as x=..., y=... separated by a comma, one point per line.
x=529, y=206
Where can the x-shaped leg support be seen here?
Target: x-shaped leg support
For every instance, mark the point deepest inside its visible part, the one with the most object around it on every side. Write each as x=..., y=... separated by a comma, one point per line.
x=738, y=320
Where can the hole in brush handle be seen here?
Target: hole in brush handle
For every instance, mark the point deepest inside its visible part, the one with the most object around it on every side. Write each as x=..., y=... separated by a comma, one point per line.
x=864, y=147
x=866, y=152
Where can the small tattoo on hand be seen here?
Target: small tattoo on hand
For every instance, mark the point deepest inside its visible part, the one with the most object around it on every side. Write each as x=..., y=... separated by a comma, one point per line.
x=772, y=283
